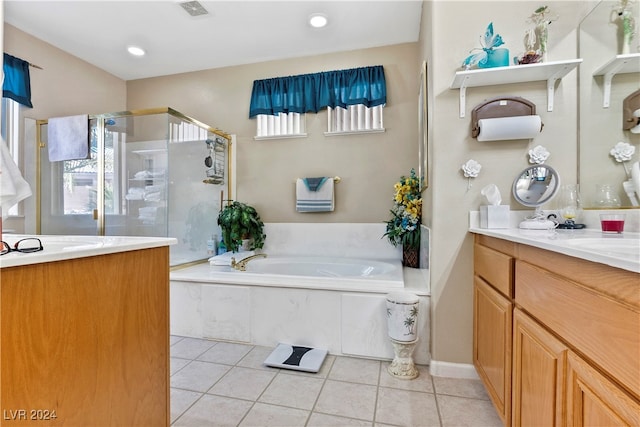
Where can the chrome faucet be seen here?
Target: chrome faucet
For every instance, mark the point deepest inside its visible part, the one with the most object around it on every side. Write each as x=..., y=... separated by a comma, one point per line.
x=242, y=265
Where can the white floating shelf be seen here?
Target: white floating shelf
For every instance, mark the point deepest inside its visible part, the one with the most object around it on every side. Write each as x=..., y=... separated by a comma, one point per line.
x=548, y=71
x=621, y=64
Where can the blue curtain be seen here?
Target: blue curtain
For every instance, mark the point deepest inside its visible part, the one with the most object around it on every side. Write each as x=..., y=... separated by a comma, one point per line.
x=17, y=83
x=312, y=92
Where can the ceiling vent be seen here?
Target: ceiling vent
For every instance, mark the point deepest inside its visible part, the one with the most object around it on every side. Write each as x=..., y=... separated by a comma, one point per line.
x=194, y=8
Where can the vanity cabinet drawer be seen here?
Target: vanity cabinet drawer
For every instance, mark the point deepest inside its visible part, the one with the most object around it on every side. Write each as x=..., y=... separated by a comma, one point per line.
x=600, y=328
x=494, y=267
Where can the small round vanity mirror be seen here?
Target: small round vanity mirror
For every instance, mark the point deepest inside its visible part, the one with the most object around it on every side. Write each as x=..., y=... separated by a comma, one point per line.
x=533, y=187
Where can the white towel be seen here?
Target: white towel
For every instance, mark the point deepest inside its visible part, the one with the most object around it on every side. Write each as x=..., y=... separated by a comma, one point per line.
x=68, y=138
x=13, y=187
x=225, y=258
x=321, y=200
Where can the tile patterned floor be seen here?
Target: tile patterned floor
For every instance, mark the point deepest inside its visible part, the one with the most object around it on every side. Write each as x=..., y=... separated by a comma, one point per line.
x=225, y=384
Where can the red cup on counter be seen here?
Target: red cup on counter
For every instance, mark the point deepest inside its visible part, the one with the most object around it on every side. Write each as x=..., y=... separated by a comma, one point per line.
x=612, y=223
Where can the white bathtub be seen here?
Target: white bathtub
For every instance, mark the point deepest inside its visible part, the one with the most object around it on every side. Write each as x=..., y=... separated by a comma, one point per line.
x=303, y=272
x=322, y=285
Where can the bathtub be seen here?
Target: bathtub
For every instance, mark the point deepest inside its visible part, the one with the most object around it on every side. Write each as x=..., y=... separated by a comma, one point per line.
x=322, y=285
x=312, y=272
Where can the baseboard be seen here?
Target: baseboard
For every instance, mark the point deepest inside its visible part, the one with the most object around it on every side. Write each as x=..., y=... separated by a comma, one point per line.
x=453, y=370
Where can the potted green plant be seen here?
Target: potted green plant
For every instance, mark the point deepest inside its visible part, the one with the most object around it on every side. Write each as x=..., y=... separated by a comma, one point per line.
x=239, y=222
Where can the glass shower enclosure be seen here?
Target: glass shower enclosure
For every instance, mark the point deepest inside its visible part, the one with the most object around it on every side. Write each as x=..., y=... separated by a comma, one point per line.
x=153, y=172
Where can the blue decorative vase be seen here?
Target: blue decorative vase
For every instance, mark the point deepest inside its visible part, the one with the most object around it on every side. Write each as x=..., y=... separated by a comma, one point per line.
x=495, y=58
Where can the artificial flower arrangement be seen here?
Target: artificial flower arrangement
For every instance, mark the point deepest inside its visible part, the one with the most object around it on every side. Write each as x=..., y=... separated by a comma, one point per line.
x=404, y=226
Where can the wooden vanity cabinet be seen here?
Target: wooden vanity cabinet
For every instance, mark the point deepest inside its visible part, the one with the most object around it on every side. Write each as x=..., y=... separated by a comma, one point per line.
x=493, y=308
x=539, y=374
x=575, y=342
x=85, y=341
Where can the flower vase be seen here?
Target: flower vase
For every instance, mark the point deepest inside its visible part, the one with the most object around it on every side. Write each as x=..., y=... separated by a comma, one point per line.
x=495, y=58
x=626, y=44
x=410, y=257
x=628, y=28
x=542, y=30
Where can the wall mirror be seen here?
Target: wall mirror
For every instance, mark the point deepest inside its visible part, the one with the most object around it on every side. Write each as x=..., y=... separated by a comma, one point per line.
x=600, y=127
x=423, y=129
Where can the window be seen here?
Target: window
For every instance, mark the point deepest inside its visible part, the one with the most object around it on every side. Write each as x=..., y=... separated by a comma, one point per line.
x=355, y=118
x=280, y=125
x=11, y=134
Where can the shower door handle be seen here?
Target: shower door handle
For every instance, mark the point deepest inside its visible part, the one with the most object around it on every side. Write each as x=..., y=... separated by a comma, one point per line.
x=95, y=214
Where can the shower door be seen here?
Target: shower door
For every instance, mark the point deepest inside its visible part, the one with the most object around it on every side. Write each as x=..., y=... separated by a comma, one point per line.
x=89, y=196
x=70, y=190
x=147, y=175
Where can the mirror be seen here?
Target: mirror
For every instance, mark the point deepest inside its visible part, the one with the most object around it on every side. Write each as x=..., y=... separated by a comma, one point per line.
x=535, y=186
x=600, y=127
x=423, y=129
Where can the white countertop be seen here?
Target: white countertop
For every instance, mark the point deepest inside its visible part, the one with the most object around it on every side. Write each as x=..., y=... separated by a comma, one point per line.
x=617, y=250
x=60, y=248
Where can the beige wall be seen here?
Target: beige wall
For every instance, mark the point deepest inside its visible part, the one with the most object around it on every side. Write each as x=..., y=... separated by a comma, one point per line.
x=368, y=164
x=65, y=86
x=371, y=164
x=454, y=33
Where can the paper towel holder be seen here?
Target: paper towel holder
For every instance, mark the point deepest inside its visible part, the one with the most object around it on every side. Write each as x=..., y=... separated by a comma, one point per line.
x=629, y=106
x=509, y=106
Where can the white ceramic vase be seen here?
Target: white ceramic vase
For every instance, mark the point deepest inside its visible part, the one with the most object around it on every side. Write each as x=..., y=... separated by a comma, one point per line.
x=402, y=316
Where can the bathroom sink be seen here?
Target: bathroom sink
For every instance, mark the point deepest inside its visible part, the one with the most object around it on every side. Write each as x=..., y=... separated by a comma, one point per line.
x=627, y=248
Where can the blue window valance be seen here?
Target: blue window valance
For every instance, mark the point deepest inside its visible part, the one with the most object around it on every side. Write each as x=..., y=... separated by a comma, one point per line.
x=310, y=93
x=17, y=83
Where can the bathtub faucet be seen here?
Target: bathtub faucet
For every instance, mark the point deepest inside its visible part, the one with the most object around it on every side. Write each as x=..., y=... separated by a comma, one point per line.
x=242, y=265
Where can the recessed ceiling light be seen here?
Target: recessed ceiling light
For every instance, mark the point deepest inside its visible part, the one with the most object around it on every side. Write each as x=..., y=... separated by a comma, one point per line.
x=318, y=20
x=136, y=51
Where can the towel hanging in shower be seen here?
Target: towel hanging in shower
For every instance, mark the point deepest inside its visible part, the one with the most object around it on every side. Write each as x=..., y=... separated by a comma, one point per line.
x=68, y=138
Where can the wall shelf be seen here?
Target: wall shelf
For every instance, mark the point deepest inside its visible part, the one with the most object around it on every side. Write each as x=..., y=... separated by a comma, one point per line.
x=549, y=71
x=620, y=64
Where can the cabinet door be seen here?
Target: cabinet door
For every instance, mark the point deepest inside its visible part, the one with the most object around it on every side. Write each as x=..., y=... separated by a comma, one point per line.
x=492, y=344
x=593, y=400
x=539, y=374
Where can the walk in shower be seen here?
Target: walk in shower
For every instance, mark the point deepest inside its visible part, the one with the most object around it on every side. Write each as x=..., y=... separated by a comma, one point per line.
x=153, y=172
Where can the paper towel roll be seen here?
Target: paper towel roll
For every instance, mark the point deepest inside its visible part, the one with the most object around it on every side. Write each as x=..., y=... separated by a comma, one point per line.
x=518, y=127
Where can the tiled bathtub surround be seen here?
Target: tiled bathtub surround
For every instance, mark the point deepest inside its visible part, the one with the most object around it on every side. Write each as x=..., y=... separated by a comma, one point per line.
x=345, y=320
x=219, y=383
x=329, y=239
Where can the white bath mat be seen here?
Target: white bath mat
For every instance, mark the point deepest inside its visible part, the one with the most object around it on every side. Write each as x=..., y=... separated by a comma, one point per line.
x=295, y=357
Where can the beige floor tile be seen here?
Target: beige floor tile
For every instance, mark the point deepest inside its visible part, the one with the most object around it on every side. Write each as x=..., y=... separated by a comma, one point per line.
x=293, y=391
x=262, y=415
x=406, y=408
x=324, y=420
x=176, y=364
x=181, y=400
x=255, y=358
x=460, y=387
x=243, y=383
x=226, y=353
x=421, y=383
x=198, y=376
x=190, y=348
x=347, y=400
x=174, y=339
x=355, y=370
x=463, y=412
x=215, y=411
